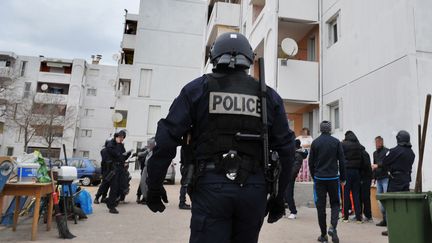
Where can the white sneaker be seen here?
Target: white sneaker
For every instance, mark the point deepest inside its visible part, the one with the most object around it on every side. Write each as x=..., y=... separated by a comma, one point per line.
x=292, y=216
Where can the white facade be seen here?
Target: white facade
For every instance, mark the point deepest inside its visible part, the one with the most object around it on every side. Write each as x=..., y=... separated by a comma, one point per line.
x=63, y=78
x=379, y=70
x=98, y=99
x=165, y=39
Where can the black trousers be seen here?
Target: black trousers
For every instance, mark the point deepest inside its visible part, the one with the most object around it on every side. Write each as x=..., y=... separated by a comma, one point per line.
x=289, y=197
x=352, y=185
x=116, y=185
x=322, y=188
x=365, y=198
x=104, y=186
x=227, y=213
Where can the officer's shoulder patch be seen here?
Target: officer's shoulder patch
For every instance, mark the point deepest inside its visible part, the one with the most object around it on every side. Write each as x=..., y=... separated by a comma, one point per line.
x=234, y=104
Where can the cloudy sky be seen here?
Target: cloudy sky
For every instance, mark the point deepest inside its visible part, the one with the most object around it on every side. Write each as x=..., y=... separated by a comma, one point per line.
x=64, y=28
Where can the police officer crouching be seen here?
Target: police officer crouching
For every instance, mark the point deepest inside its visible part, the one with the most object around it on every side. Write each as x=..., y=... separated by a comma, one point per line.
x=229, y=198
x=398, y=162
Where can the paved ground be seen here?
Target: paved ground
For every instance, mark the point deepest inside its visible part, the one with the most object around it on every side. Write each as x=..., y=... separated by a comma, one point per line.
x=136, y=223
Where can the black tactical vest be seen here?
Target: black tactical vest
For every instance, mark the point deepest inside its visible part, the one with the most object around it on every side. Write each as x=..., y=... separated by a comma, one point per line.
x=233, y=107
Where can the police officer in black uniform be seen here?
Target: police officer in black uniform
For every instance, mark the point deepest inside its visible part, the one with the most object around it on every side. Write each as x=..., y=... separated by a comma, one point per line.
x=398, y=162
x=230, y=197
x=118, y=155
x=106, y=168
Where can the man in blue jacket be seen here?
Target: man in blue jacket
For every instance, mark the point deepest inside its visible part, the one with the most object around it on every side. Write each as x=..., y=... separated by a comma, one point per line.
x=327, y=167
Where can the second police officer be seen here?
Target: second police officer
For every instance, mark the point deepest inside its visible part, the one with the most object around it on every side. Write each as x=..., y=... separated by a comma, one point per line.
x=227, y=207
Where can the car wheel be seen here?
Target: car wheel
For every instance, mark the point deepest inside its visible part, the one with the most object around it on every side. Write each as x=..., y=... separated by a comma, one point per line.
x=85, y=181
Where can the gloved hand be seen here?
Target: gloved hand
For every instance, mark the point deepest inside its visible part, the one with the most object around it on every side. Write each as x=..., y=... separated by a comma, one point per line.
x=155, y=198
x=275, y=209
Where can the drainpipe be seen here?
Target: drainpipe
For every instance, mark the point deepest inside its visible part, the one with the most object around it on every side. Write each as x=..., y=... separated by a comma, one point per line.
x=321, y=60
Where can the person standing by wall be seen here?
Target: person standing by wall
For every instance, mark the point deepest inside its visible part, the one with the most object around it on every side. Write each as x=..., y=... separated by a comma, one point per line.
x=327, y=167
x=365, y=187
x=380, y=173
x=353, y=151
x=305, y=141
x=399, y=161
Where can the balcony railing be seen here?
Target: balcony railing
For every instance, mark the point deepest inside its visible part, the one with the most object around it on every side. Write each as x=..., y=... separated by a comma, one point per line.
x=54, y=77
x=298, y=80
x=226, y=14
x=128, y=41
x=300, y=10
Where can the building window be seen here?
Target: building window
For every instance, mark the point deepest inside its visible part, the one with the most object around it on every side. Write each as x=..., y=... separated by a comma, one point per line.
x=333, y=29
x=335, y=115
x=124, y=86
x=311, y=49
x=23, y=68
x=86, y=133
x=123, y=122
x=48, y=131
x=154, y=115
x=56, y=67
x=131, y=27
x=85, y=153
x=91, y=92
x=128, y=56
x=89, y=112
x=9, y=151
x=145, y=83
x=1, y=127
x=43, y=109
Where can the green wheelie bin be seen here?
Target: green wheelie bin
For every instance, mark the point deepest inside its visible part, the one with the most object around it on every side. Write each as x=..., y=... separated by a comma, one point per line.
x=409, y=218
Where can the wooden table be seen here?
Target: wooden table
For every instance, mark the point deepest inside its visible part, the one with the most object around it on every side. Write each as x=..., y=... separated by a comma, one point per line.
x=36, y=190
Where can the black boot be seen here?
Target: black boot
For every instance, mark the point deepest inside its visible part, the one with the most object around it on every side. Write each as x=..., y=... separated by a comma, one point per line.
x=113, y=210
x=184, y=206
x=333, y=233
x=323, y=239
x=383, y=223
x=138, y=200
x=96, y=200
x=103, y=200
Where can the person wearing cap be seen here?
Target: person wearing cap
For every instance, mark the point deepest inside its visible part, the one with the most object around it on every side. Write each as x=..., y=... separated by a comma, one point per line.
x=118, y=155
x=327, y=168
x=398, y=162
x=229, y=198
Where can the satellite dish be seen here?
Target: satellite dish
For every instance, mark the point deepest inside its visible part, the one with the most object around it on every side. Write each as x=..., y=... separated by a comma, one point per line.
x=44, y=87
x=117, y=117
x=116, y=57
x=289, y=46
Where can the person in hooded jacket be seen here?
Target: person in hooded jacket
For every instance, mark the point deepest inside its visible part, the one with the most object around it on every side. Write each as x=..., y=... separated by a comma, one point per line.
x=353, y=151
x=300, y=155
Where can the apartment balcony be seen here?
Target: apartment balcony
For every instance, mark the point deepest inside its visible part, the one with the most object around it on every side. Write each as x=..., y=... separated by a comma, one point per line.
x=45, y=98
x=298, y=80
x=128, y=41
x=299, y=10
x=50, y=77
x=225, y=15
x=6, y=73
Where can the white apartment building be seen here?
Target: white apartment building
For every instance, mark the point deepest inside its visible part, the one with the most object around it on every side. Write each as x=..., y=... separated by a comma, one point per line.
x=364, y=65
x=377, y=69
x=161, y=52
x=84, y=94
x=46, y=82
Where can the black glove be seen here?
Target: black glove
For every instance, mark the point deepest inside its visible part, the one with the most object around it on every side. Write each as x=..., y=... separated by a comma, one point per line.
x=155, y=198
x=275, y=209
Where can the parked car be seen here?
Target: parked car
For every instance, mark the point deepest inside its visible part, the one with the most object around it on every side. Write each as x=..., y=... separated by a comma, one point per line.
x=89, y=172
x=170, y=175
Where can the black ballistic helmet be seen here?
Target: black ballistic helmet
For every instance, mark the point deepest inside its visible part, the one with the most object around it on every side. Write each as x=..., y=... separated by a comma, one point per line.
x=121, y=133
x=231, y=49
x=403, y=138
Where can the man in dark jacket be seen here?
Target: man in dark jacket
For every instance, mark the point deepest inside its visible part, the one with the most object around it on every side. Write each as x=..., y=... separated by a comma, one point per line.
x=106, y=168
x=327, y=167
x=118, y=156
x=300, y=155
x=365, y=186
x=353, y=151
x=398, y=162
x=380, y=174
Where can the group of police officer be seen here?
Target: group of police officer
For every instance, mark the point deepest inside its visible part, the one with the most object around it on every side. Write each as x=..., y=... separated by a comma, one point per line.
x=230, y=192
